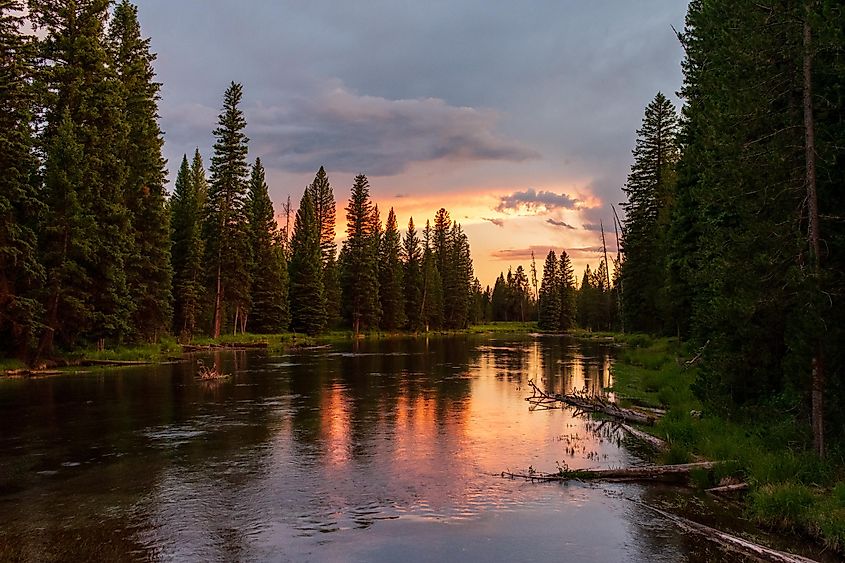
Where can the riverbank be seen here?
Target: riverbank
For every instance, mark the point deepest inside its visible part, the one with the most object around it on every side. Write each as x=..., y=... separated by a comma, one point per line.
x=788, y=486
x=168, y=349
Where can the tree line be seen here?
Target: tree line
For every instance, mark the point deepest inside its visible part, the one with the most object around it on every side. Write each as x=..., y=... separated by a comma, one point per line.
x=94, y=252
x=734, y=233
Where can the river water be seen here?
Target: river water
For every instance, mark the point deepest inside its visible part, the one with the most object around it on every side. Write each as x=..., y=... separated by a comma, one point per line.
x=370, y=451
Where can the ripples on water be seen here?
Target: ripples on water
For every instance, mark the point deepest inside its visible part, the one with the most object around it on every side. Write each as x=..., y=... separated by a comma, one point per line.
x=370, y=452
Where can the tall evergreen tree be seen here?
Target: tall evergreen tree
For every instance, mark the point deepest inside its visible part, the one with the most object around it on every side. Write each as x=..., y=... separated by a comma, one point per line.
x=360, y=271
x=227, y=247
x=269, y=292
x=550, y=295
x=412, y=276
x=148, y=268
x=649, y=189
x=307, y=305
x=457, y=279
x=567, y=292
x=500, y=299
x=187, y=249
x=322, y=195
x=390, y=277
x=21, y=271
x=86, y=236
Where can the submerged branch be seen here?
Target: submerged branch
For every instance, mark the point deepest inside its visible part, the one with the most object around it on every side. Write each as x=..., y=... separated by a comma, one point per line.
x=541, y=399
x=643, y=473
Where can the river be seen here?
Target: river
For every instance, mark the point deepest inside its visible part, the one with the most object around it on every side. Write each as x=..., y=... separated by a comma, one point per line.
x=378, y=451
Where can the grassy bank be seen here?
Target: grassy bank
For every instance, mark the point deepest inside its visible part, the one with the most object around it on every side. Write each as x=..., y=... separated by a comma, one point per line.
x=789, y=486
x=168, y=348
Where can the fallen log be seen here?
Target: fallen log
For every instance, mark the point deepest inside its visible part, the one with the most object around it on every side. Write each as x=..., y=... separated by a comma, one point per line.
x=594, y=404
x=653, y=441
x=114, y=362
x=642, y=473
x=731, y=543
x=732, y=488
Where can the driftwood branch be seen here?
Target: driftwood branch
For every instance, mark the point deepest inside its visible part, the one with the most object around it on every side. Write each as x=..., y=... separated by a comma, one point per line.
x=643, y=473
x=732, y=488
x=730, y=543
x=653, y=441
x=541, y=399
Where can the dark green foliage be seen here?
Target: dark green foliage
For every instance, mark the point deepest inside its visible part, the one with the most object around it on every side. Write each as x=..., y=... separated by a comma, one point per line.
x=432, y=295
x=359, y=277
x=390, y=277
x=307, y=305
x=269, y=291
x=412, y=277
x=649, y=189
x=86, y=244
x=322, y=195
x=567, y=293
x=186, y=207
x=225, y=229
x=457, y=277
x=550, y=295
x=148, y=268
x=20, y=268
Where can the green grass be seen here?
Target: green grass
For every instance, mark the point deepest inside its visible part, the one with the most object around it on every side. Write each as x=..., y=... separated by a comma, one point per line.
x=790, y=487
x=7, y=364
x=166, y=348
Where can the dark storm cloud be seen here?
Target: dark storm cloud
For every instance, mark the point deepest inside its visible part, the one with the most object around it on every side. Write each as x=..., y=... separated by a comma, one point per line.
x=533, y=201
x=557, y=223
x=376, y=135
x=497, y=222
x=566, y=79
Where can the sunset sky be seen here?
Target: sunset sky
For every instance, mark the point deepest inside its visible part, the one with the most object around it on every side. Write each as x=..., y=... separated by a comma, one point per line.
x=519, y=119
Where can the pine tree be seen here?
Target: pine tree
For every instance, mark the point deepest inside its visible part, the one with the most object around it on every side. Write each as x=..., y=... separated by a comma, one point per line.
x=307, y=304
x=550, y=295
x=567, y=292
x=269, y=292
x=21, y=271
x=322, y=195
x=432, y=298
x=650, y=189
x=440, y=242
x=359, y=270
x=390, y=277
x=227, y=247
x=86, y=244
x=412, y=276
x=187, y=249
x=500, y=299
x=457, y=276
x=148, y=269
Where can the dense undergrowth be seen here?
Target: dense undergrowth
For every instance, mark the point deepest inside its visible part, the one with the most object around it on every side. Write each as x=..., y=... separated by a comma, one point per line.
x=769, y=445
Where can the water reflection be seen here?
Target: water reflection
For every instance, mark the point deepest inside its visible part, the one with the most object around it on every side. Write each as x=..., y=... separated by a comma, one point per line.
x=367, y=452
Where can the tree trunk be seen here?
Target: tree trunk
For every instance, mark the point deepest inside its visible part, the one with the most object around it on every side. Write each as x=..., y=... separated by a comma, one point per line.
x=817, y=363
x=218, y=303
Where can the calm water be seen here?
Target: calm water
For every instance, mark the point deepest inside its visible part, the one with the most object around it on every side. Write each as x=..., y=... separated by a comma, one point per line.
x=380, y=451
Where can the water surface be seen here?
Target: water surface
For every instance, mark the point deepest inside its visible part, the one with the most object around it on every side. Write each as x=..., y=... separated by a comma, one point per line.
x=369, y=451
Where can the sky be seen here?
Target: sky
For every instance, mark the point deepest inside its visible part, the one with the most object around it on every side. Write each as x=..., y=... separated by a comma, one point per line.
x=518, y=118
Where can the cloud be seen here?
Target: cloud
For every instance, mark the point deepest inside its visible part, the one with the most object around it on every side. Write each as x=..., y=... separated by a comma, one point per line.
x=517, y=254
x=557, y=223
x=591, y=227
x=497, y=222
x=534, y=202
x=376, y=135
x=540, y=251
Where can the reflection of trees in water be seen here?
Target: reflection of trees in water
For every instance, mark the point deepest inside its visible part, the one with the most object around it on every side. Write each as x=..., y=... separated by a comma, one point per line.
x=559, y=364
